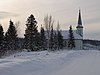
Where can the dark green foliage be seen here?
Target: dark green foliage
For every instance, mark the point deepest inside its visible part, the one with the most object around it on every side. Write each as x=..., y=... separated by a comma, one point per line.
x=55, y=41
x=60, y=40
x=1, y=37
x=1, y=41
x=10, y=37
x=71, y=42
x=43, y=39
x=31, y=34
x=37, y=41
x=19, y=44
x=51, y=39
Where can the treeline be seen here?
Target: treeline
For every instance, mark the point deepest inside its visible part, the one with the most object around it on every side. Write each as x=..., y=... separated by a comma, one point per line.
x=9, y=40
x=46, y=39
x=92, y=42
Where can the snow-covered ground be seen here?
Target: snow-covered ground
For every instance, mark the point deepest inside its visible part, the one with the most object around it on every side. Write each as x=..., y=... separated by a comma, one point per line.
x=80, y=62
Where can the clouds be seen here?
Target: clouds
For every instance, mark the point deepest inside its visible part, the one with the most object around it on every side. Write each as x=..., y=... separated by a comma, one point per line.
x=92, y=21
x=4, y=14
x=94, y=35
x=66, y=11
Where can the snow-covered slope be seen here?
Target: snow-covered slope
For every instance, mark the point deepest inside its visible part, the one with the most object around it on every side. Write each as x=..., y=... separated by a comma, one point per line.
x=52, y=63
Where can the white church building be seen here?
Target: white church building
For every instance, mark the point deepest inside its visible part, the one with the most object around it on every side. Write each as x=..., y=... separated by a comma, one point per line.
x=78, y=35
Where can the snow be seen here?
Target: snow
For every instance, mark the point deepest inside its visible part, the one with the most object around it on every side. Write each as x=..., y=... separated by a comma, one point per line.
x=65, y=34
x=79, y=62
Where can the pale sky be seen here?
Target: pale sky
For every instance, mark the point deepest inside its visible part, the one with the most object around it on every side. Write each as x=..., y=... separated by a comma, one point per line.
x=64, y=11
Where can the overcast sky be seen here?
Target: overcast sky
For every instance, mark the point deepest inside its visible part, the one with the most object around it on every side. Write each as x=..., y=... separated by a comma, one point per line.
x=64, y=11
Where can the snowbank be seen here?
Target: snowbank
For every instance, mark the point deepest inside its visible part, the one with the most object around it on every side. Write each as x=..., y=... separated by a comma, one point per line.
x=52, y=63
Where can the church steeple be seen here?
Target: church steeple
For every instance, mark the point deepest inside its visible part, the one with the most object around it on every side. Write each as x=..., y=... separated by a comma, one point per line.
x=79, y=26
x=79, y=18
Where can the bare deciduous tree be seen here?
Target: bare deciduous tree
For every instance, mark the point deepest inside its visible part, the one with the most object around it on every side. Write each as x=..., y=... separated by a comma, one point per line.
x=48, y=22
x=58, y=26
x=17, y=25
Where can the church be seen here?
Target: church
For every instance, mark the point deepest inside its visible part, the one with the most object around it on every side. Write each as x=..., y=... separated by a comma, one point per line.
x=78, y=35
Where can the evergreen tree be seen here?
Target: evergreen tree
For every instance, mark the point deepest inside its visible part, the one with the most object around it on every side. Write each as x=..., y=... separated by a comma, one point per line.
x=43, y=38
x=1, y=37
x=51, y=39
x=31, y=34
x=1, y=41
x=11, y=37
x=71, y=42
x=60, y=40
x=37, y=41
x=55, y=41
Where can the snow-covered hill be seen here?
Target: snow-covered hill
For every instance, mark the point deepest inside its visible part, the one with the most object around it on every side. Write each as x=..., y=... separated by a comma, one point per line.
x=65, y=62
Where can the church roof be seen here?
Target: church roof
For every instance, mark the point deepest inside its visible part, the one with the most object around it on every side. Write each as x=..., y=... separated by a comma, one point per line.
x=65, y=34
x=79, y=18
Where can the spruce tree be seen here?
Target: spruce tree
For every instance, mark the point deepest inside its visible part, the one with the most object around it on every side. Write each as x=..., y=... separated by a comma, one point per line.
x=55, y=41
x=43, y=38
x=11, y=37
x=31, y=34
x=60, y=40
x=71, y=42
x=1, y=41
x=59, y=37
x=51, y=39
x=1, y=37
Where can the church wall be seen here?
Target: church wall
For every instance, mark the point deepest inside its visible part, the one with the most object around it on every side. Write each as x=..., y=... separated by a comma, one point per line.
x=78, y=44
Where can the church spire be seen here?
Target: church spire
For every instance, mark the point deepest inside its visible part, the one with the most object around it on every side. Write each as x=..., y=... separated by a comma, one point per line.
x=79, y=18
x=79, y=26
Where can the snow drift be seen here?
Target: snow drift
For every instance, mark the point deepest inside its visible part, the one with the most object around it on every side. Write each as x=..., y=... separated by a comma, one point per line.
x=52, y=63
